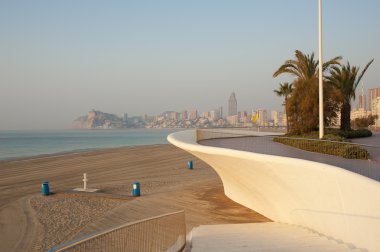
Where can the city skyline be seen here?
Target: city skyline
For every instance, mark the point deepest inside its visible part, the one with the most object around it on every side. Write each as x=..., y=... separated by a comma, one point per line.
x=62, y=58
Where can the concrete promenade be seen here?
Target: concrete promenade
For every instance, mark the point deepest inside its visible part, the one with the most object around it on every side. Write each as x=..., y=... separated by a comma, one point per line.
x=277, y=236
x=265, y=145
x=290, y=186
x=264, y=237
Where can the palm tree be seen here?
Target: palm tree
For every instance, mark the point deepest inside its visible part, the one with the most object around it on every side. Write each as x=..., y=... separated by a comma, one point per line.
x=303, y=104
x=304, y=67
x=285, y=90
x=346, y=79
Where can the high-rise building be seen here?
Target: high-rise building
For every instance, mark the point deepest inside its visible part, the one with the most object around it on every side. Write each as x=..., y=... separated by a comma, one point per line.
x=361, y=109
x=362, y=101
x=253, y=117
x=173, y=115
x=212, y=115
x=232, y=105
x=280, y=116
x=193, y=114
x=376, y=111
x=220, y=113
x=243, y=116
x=263, y=117
x=284, y=120
x=183, y=115
x=373, y=93
x=274, y=117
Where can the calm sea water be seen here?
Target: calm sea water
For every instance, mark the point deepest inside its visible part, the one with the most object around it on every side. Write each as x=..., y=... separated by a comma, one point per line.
x=17, y=144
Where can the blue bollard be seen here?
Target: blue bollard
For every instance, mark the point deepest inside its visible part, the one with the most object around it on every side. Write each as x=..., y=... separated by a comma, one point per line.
x=190, y=165
x=136, y=189
x=45, y=188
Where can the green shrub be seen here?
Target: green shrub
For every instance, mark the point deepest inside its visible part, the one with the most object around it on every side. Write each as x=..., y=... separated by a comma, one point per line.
x=335, y=134
x=354, y=152
x=333, y=137
x=340, y=149
x=355, y=133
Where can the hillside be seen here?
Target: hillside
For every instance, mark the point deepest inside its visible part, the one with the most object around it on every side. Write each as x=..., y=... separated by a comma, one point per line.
x=98, y=120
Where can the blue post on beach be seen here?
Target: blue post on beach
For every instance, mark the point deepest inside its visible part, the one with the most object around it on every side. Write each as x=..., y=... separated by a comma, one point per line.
x=45, y=188
x=190, y=165
x=136, y=189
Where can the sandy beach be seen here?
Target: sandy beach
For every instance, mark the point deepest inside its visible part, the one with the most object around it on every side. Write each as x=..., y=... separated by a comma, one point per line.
x=31, y=222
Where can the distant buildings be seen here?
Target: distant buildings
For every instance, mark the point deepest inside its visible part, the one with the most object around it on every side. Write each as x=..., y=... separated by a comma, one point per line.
x=183, y=115
x=263, y=117
x=193, y=118
x=284, y=122
x=193, y=114
x=373, y=93
x=243, y=117
x=214, y=118
x=275, y=118
x=359, y=113
x=373, y=105
x=361, y=107
x=232, y=117
x=362, y=102
x=376, y=110
x=206, y=114
x=173, y=115
x=232, y=105
x=216, y=114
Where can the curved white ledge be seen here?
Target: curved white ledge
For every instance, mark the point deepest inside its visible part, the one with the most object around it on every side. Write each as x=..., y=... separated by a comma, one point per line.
x=325, y=198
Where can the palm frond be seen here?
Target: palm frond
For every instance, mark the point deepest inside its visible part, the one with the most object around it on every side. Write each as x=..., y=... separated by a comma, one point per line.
x=364, y=70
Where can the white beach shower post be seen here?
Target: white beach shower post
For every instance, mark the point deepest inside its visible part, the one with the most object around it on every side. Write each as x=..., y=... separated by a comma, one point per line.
x=85, y=181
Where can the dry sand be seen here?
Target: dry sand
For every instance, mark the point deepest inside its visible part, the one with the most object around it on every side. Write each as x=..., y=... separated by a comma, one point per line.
x=31, y=222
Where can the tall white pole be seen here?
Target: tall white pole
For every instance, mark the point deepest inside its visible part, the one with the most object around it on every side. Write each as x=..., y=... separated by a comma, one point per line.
x=321, y=124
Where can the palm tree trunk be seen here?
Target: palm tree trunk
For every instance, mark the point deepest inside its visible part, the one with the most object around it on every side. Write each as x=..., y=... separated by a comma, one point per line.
x=345, y=116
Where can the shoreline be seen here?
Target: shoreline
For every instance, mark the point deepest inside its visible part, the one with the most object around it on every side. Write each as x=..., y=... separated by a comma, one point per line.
x=26, y=144
x=72, y=152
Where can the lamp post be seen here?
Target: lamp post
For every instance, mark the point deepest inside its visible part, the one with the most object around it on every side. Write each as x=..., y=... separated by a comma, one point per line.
x=321, y=124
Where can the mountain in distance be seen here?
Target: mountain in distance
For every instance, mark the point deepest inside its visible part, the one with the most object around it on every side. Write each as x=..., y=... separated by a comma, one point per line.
x=98, y=120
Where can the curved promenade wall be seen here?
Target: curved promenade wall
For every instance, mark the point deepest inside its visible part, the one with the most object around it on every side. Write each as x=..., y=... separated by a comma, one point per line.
x=325, y=198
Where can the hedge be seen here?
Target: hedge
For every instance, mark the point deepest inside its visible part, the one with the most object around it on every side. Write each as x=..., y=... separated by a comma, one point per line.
x=341, y=149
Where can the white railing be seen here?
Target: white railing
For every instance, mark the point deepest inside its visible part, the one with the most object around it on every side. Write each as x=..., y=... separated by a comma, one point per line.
x=161, y=233
x=359, y=158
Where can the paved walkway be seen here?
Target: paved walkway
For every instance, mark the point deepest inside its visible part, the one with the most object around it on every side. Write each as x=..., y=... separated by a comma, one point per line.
x=265, y=145
x=263, y=237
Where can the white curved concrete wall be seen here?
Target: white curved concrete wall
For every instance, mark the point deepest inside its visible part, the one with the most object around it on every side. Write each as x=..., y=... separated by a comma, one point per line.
x=325, y=198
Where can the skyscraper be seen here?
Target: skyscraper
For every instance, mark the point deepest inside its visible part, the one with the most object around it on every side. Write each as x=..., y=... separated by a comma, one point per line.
x=362, y=102
x=373, y=93
x=232, y=105
x=275, y=117
x=376, y=110
x=263, y=117
x=193, y=114
x=183, y=115
x=220, y=112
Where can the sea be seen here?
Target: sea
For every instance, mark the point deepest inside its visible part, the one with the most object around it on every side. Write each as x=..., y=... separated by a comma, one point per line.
x=16, y=144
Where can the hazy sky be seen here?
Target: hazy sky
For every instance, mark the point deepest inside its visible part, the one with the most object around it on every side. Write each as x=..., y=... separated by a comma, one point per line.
x=60, y=59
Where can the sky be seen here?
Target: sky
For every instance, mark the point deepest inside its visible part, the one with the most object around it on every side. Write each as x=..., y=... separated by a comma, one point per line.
x=61, y=59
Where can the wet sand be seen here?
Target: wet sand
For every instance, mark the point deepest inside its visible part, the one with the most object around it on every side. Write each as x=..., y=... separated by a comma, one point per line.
x=31, y=222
